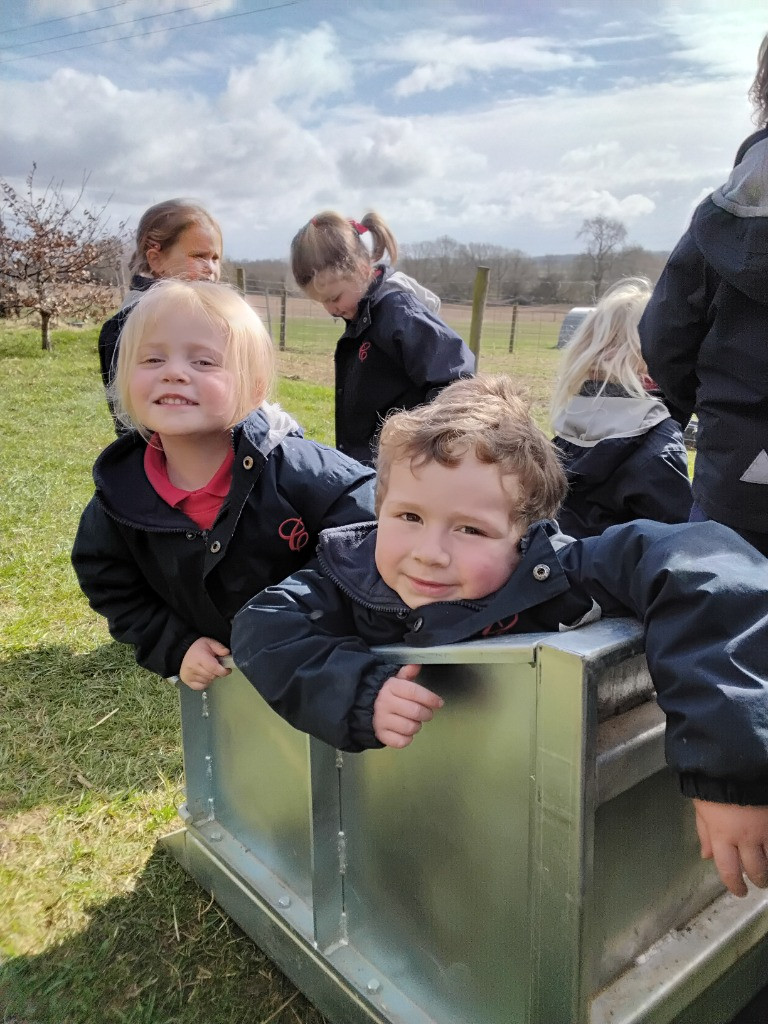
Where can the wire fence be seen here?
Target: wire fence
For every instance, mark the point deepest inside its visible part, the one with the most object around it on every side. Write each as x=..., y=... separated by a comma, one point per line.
x=296, y=323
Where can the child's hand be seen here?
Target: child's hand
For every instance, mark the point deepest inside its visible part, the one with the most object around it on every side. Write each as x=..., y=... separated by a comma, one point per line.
x=200, y=665
x=401, y=706
x=736, y=838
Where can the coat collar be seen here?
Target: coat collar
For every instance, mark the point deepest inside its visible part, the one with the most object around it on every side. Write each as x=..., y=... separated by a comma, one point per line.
x=346, y=554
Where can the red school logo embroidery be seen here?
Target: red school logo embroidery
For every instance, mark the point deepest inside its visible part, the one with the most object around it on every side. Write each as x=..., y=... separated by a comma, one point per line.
x=502, y=626
x=294, y=531
x=362, y=352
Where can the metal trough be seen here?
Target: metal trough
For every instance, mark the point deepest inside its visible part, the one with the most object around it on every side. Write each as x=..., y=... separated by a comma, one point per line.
x=527, y=860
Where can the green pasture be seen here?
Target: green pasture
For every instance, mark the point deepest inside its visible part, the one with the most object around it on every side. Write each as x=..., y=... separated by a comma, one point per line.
x=97, y=924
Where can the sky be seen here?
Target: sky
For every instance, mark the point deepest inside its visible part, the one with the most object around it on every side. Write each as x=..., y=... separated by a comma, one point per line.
x=507, y=122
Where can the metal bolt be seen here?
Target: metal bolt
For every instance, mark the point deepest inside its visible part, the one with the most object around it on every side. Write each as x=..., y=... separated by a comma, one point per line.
x=215, y=837
x=284, y=902
x=373, y=986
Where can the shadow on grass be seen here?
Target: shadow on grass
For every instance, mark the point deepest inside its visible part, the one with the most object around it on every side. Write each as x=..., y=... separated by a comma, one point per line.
x=75, y=722
x=161, y=954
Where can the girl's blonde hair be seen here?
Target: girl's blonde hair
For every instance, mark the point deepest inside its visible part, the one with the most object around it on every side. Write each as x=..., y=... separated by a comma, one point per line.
x=606, y=346
x=330, y=242
x=248, y=352
x=758, y=91
x=161, y=225
x=487, y=415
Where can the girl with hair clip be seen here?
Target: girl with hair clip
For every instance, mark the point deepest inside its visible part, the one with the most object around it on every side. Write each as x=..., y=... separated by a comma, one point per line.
x=624, y=455
x=175, y=238
x=395, y=352
x=212, y=494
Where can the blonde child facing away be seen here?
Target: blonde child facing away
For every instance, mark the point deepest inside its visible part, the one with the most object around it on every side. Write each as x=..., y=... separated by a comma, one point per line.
x=175, y=238
x=464, y=549
x=395, y=352
x=212, y=494
x=624, y=455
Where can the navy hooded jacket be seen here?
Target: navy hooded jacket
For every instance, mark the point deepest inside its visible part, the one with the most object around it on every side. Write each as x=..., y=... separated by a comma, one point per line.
x=625, y=459
x=700, y=591
x=162, y=582
x=704, y=336
x=395, y=354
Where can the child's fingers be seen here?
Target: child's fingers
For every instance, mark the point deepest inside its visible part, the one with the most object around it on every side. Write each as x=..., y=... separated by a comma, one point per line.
x=393, y=739
x=408, y=671
x=755, y=863
x=703, y=833
x=406, y=689
x=729, y=867
x=218, y=649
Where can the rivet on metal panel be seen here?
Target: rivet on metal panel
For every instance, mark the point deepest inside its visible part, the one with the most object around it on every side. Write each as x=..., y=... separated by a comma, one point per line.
x=205, y=711
x=215, y=837
x=284, y=902
x=211, y=814
x=209, y=766
x=373, y=985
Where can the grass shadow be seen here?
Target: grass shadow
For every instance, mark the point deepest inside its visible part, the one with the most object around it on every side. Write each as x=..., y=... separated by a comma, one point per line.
x=162, y=953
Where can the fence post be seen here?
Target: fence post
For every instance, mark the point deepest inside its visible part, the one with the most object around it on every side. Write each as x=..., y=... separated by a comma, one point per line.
x=478, y=309
x=240, y=280
x=283, y=304
x=269, y=312
x=513, y=329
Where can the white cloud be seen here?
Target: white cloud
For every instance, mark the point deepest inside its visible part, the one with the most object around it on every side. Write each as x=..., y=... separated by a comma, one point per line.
x=443, y=60
x=295, y=121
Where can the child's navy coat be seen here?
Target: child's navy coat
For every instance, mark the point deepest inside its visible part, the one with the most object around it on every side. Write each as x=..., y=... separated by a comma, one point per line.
x=162, y=582
x=699, y=589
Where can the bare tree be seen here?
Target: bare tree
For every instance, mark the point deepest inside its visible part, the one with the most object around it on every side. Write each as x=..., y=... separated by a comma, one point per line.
x=48, y=254
x=605, y=240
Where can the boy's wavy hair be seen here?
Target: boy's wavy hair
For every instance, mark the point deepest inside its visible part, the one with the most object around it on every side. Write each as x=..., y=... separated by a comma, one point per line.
x=248, y=351
x=161, y=226
x=489, y=416
x=606, y=346
x=332, y=243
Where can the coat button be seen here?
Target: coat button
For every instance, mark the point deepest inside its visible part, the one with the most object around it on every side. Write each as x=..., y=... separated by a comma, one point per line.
x=418, y=623
x=541, y=572
x=189, y=535
x=215, y=547
x=248, y=462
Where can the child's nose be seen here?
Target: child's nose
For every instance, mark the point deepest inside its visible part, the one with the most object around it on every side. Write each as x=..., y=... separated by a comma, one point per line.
x=175, y=369
x=431, y=548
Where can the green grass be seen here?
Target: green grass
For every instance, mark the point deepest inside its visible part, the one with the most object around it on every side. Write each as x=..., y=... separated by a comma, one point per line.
x=96, y=922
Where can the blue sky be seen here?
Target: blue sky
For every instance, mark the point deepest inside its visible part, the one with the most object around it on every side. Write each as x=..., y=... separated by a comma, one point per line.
x=500, y=121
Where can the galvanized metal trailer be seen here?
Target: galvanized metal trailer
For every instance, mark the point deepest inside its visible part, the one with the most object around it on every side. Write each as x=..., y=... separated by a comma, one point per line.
x=527, y=860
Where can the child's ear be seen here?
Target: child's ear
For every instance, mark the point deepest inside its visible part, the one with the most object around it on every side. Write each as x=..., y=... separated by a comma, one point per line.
x=155, y=260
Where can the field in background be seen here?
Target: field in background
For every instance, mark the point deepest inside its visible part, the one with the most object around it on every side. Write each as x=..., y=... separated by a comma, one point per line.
x=310, y=337
x=96, y=923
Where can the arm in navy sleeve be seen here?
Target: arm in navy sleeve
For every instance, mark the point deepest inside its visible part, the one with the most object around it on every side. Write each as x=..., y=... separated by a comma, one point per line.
x=701, y=593
x=296, y=644
x=118, y=590
x=431, y=353
x=675, y=323
x=330, y=488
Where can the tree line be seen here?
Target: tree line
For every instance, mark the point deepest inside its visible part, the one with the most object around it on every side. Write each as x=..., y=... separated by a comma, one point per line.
x=448, y=267
x=58, y=261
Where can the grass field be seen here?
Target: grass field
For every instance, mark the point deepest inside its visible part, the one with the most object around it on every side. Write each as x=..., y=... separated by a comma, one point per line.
x=96, y=923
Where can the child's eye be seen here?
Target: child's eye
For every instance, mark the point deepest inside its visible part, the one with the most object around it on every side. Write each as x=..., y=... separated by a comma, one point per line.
x=410, y=517
x=472, y=531
x=149, y=360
